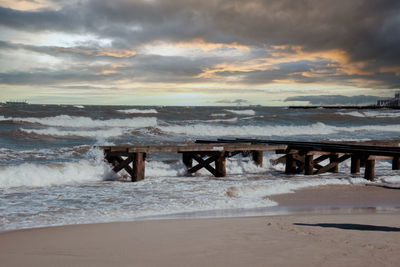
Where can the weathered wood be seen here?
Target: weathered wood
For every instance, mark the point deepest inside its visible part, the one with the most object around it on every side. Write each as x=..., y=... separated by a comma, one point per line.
x=355, y=164
x=203, y=164
x=369, y=170
x=220, y=165
x=187, y=159
x=321, y=158
x=279, y=160
x=138, y=167
x=329, y=167
x=200, y=147
x=257, y=157
x=309, y=165
x=396, y=163
x=333, y=158
x=291, y=165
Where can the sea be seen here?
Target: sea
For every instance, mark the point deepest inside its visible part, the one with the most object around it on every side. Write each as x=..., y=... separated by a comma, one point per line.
x=52, y=173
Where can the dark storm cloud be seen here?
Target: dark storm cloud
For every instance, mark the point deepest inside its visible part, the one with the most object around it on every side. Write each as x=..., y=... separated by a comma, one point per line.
x=367, y=30
x=335, y=99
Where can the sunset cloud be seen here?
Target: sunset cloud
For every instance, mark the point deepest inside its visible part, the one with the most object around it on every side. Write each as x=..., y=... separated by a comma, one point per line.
x=253, y=44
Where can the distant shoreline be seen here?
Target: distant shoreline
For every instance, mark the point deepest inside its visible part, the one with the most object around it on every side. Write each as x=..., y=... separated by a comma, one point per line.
x=344, y=107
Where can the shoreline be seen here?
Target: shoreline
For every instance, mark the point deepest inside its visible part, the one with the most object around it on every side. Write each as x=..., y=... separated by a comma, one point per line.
x=322, y=199
x=351, y=226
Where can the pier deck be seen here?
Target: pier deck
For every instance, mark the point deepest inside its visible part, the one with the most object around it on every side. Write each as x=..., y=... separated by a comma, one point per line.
x=298, y=157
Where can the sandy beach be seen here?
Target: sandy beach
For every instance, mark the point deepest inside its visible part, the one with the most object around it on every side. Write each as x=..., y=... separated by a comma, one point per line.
x=366, y=238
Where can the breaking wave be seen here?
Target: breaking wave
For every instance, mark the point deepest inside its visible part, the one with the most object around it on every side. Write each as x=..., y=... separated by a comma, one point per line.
x=275, y=130
x=371, y=114
x=86, y=122
x=248, y=112
x=138, y=111
x=39, y=175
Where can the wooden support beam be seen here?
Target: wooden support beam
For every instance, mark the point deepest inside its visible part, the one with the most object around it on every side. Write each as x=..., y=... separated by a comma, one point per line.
x=329, y=167
x=333, y=159
x=257, y=157
x=220, y=165
x=321, y=158
x=291, y=165
x=187, y=159
x=138, y=166
x=279, y=160
x=123, y=164
x=355, y=164
x=309, y=165
x=396, y=163
x=203, y=164
x=369, y=170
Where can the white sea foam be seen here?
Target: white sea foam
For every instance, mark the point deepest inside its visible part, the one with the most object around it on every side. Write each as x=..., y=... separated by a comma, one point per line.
x=371, y=114
x=248, y=112
x=138, y=111
x=99, y=134
x=272, y=130
x=39, y=175
x=79, y=106
x=86, y=122
x=219, y=115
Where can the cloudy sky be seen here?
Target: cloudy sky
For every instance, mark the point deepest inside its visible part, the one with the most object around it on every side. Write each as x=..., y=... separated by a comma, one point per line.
x=204, y=52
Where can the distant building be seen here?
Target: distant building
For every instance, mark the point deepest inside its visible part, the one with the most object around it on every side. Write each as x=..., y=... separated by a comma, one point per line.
x=392, y=102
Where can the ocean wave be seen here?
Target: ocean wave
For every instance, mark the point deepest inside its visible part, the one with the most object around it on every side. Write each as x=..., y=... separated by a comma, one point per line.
x=138, y=111
x=248, y=112
x=39, y=175
x=97, y=133
x=79, y=106
x=371, y=114
x=271, y=130
x=85, y=122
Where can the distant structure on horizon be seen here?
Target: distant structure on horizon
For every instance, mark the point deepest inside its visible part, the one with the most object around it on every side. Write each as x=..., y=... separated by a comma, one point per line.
x=16, y=102
x=392, y=102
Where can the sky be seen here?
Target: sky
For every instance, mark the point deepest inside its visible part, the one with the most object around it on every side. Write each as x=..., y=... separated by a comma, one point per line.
x=204, y=52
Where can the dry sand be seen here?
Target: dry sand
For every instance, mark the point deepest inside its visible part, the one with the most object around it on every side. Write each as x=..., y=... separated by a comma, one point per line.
x=368, y=239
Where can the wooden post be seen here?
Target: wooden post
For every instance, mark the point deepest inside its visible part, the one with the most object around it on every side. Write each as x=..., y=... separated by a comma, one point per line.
x=187, y=160
x=396, y=163
x=138, y=167
x=333, y=158
x=369, y=170
x=291, y=165
x=220, y=165
x=309, y=165
x=363, y=162
x=258, y=157
x=355, y=164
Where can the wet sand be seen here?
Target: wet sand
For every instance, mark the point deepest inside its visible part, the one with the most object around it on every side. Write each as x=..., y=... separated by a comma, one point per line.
x=370, y=238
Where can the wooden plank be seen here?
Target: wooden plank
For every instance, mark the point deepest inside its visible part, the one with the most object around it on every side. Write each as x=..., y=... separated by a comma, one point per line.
x=202, y=147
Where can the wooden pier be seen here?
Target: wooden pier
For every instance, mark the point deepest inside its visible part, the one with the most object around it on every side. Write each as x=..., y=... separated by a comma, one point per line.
x=298, y=157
